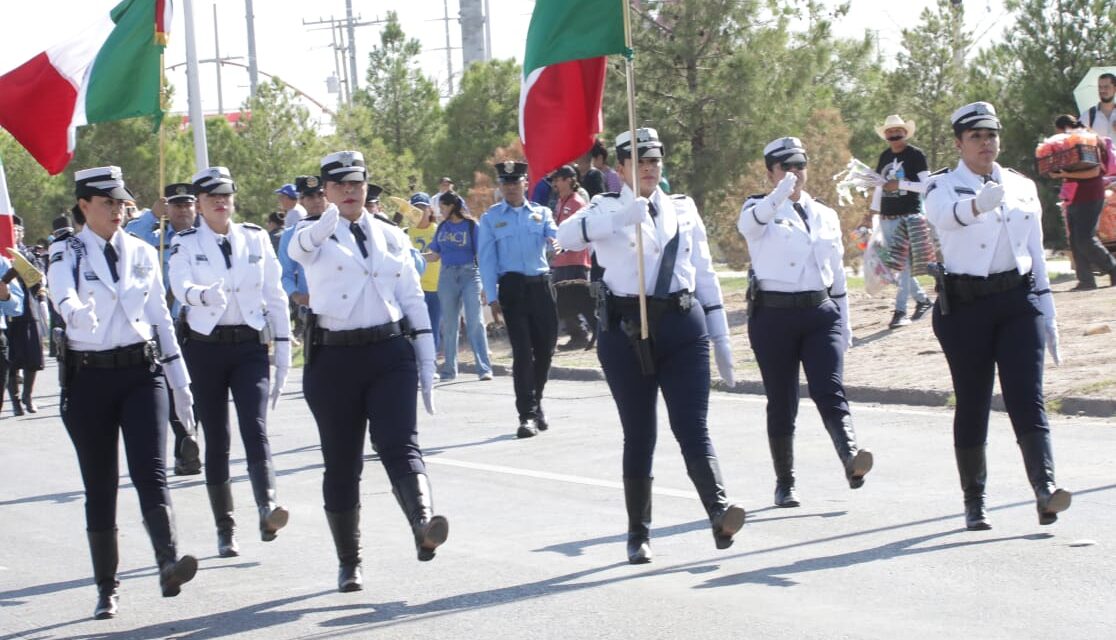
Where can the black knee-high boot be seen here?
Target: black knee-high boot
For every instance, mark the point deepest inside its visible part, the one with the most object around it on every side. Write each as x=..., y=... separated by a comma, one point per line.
x=412, y=491
x=725, y=518
x=345, y=527
x=272, y=516
x=972, y=466
x=637, y=500
x=173, y=570
x=28, y=385
x=102, y=548
x=782, y=456
x=857, y=461
x=221, y=502
x=1038, y=458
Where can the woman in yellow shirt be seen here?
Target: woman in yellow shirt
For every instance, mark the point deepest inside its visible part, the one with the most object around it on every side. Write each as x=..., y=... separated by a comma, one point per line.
x=421, y=235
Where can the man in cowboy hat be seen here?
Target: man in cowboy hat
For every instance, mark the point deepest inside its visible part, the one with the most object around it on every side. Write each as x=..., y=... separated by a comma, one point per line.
x=898, y=201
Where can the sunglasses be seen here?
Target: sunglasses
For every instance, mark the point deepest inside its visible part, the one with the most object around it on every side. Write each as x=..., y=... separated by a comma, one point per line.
x=895, y=138
x=792, y=166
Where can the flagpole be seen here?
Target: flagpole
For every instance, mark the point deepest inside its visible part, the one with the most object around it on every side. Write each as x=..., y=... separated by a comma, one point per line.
x=162, y=161
x=197, y=120
x=633, y=163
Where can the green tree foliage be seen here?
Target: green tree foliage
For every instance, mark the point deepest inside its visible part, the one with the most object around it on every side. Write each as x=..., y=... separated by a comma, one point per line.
x=483, y=116
x=403, y=101
x=35, y=195
x=395, y=172
x=930, y=80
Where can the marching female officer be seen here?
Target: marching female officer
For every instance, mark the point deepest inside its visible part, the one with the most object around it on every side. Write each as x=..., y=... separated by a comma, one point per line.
x=107, y=286
x=361, y=368
x=996, y=310
x=228, y=277
x=799, y=313
x=685, y=313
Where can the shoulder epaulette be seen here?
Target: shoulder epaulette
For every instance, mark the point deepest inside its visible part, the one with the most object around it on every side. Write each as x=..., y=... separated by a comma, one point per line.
x=311, y=218
x=1015, y=172
x=678, y=196
x=253, y=227
x=133, y=235
x=63, y=234
x=384, y=219
x=820, y=201
x=187, y=232
x=758, y=196
x=941, y=171
x=610, y=194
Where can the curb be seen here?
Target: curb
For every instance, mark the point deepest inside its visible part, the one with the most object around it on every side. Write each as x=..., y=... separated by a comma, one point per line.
x=1068, y=406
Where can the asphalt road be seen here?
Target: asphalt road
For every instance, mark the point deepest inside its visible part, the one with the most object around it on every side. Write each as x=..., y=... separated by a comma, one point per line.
x=536, y=545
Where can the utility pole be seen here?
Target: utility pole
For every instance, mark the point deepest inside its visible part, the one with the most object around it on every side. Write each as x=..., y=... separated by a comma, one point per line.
x=449, y=50
x=253, y=71
x=218, y=59
x=343, y=34
x=197, y=120
x=352, y=44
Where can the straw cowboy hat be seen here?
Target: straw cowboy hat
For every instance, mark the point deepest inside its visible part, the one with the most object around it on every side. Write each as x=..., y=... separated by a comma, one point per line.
x=895, y=121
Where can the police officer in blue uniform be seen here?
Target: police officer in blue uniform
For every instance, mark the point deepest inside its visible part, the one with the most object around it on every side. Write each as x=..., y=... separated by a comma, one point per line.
x=512, y=241
x=179, y=201
x=799, y=314
x=106, y=284
x=996, y=311
x=362, y=369
x=685, y=314
x=227, y=276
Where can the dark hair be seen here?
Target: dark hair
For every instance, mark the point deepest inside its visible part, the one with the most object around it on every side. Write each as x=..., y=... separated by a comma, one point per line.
x=61, y=221
x=1067, y=121
x=1107, y=76
x=599, y=151
x=275, y=218
x=79, y=217
x=451, y=198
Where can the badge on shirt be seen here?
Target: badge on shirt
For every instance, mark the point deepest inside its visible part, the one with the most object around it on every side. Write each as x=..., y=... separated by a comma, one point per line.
x=501, y=224
x=964, y=191
x=140, y=271
x=254, y=259
x=201, y=258
x=174, y=248
x=89, y=275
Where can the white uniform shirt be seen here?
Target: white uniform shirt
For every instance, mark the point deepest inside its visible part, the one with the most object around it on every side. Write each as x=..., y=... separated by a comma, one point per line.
x=1009, y=237
x=785, y=255
x=615, y=247
x=131, y=310
x=349, y=291
x=253, y=288
x=1103, y=125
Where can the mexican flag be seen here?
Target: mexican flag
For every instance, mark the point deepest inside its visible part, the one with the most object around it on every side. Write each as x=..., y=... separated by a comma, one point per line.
x=7, y=224
x=563, y=78
x=109, y=71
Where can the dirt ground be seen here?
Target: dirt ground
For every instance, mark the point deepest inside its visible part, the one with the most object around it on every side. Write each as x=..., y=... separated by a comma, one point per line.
x=911, y=358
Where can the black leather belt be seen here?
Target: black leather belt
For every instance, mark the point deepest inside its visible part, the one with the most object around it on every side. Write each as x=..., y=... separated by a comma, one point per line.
x=141, y=353
x=228, y=334
x=522, y=277
x=966, y=288
x=358, y=337
x=796, y=300
x=681, y=300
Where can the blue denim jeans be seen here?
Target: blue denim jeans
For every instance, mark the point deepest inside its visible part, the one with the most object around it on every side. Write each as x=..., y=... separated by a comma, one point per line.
x=460, y=286
x=908, y=286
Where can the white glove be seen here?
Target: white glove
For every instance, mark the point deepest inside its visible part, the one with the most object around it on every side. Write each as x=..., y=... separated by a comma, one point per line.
x=783, y=190
x=635, y=212
x=1052, y=342
x=324, y=227
x=846, y=321
x=989, y=197
x=282, y=368
x=214, y=295
x=84, y=317
x=717, y=323
x=424, y=352
x=184, y=406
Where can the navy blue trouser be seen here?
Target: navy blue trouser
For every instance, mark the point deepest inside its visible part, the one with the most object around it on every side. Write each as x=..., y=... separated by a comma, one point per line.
x=532, y=320
x=353, y=390
x=97, y=406
x=1004, y=331
x=215, y=370
x=784, y=338
x=681, y=349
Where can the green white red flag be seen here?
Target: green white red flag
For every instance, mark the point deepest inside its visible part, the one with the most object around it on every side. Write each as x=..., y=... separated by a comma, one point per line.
x=7, y=221
x=563, y=78
x=110, y=71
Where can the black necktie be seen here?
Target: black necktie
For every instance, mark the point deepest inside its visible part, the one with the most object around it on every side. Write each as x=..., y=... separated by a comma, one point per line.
x=802, y=214
x=358, y=233
x=652, y=209
x=110, y=258
x=226, y=250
